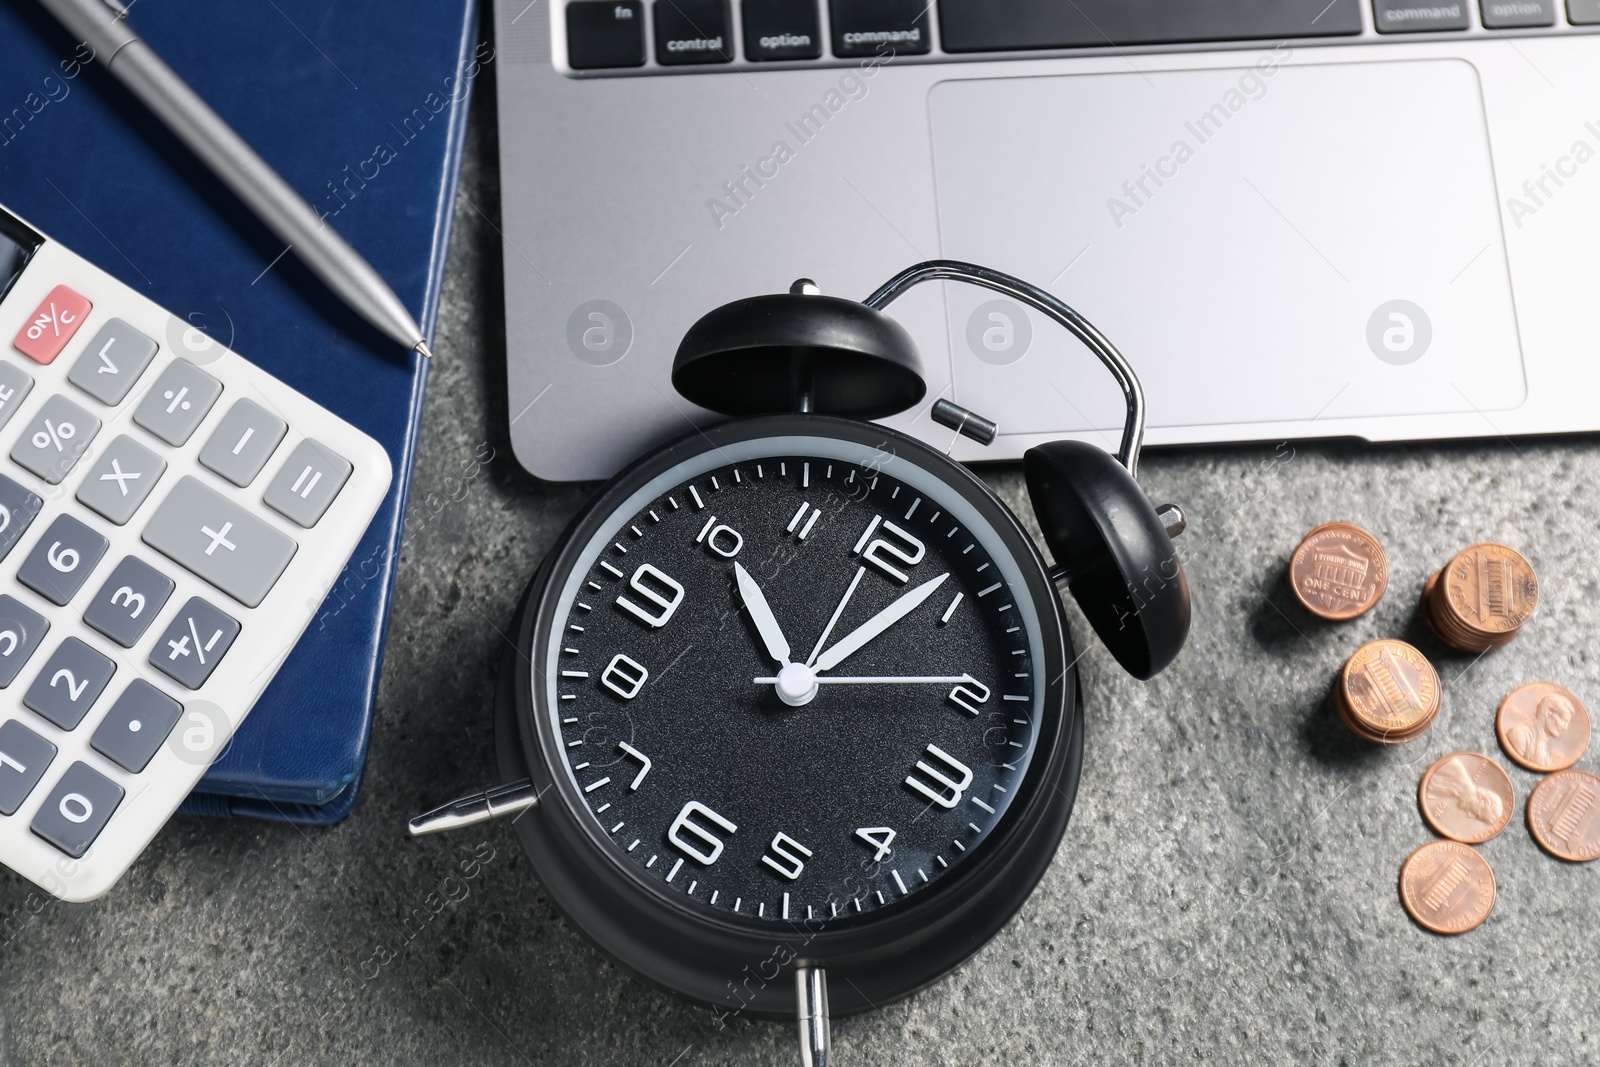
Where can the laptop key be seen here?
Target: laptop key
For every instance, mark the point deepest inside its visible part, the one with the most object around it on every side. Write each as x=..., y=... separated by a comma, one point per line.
x=692, y=31
x=1583, y=12
x=880, y=27
x=605, y=33
x=1009, y=25
x=781, y=29
x=77, y=809
x=1418, y=16
x=1511, y=14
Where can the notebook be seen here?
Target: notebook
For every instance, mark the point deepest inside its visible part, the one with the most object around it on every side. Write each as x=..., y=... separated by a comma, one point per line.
x=362, y=107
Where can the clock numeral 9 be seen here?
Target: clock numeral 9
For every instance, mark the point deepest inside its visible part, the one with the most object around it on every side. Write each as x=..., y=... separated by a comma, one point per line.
x=790, y=852
x=720, y=538
x=969, y=694
x=879, y=838
x=897, y=546
x=624, y=676
x=944, y=790
x=705, y=846
x=658, y=588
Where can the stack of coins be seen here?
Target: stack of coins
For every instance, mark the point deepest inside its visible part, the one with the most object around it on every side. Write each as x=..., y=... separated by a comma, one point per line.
x=1388, y=692
x=1339, y=571
x=1482, y=598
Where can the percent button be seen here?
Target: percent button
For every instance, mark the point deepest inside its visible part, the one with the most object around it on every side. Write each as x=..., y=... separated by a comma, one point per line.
x=54, y=440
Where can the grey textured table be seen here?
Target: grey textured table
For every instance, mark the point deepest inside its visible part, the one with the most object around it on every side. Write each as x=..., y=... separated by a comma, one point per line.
x=1226, y=893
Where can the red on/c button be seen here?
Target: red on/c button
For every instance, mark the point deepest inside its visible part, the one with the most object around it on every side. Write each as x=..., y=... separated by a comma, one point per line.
x=48, y=329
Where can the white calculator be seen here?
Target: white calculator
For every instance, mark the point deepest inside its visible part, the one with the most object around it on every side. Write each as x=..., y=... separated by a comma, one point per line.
x=171, y=517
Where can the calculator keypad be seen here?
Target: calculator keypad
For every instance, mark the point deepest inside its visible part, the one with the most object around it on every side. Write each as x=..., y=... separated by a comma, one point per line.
x=69, y=683
x=52, y=324
x=243, y=442
x=129, y=601
x=18, y=507
x=135, y=726
x=61, y=561
x=15, y=385
x=121, y=478
x=195, y=643
x=24, y=755
x=54, y=440
x=112, y=362
x=76, y=810
x=177, y=403
x=21, y=630
x=199, y=528
x=307, y=483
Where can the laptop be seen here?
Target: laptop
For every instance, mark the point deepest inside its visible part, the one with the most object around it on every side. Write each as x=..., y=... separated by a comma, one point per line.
x=1296, y=218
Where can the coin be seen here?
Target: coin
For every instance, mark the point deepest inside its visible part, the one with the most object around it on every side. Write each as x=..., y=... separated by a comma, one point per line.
x=1466, y=797
x=1447, y=887
x=1388, y=692
x=1564, y=815
x=1339, y=571
x=1543, y=727
x=1482, y=598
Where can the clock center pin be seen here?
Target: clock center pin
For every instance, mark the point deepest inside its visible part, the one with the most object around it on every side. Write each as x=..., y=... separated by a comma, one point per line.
x=797, y=685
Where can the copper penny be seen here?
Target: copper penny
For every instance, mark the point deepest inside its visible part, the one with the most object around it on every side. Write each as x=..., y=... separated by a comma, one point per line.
x=1466, y=797
x=1339, y=571
x=1447, y=887
x=1543, y=727
x=1491, y=589
x=1564, y=816
x=1390, y=690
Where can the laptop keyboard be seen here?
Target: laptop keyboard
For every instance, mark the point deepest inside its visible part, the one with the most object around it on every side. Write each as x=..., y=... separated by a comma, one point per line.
x=622, y=35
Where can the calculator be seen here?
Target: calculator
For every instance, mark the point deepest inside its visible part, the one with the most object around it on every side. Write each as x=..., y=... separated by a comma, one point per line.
x=171, y=517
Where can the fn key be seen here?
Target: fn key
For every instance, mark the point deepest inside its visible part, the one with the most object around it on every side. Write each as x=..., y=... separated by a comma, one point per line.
x=605, y=33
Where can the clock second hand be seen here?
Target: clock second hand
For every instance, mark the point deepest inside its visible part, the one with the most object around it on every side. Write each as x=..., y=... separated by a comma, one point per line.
x=828, y=629
x=888, y=679
x=897, y=610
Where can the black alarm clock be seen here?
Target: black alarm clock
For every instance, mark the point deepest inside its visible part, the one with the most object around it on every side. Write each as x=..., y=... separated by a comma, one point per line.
x=792, y=716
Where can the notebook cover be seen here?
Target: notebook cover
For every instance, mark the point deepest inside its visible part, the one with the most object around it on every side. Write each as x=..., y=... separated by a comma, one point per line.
x=362, y=107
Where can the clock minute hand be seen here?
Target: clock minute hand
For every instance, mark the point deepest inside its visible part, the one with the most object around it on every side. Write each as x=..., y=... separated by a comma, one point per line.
x=899, y=609
x=755, y=602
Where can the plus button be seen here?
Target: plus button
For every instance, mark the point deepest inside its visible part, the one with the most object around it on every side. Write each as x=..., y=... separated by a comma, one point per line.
x=218, y=537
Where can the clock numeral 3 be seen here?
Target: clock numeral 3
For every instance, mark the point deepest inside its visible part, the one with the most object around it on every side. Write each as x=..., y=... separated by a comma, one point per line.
x=897, y=546
x=720, y=538
x=879, y=838
x=658, y=588
x=705, y=846
x=625, y=676
x=969, y=694
x=789, y=852
x=939, y=787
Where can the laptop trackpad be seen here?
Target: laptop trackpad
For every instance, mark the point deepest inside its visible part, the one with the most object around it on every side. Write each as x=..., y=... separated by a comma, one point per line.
x=1264, y=244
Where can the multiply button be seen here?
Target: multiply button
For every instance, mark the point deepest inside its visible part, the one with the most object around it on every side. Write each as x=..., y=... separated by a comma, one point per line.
x=308, y=482
x=199, y=528
x=177, y=403
x=194, y=643
x=112, y=362
x=120, y=480
x=54, y=440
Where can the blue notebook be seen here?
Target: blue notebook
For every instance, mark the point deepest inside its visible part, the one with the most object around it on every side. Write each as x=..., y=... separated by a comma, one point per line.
x=362, y=107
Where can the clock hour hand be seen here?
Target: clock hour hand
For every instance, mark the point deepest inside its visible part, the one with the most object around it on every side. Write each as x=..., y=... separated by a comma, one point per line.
x=761, y=614
x=899, y=609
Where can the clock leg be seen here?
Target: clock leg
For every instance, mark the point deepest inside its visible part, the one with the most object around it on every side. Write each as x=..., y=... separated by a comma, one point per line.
x=478, y=807
x=811, y=994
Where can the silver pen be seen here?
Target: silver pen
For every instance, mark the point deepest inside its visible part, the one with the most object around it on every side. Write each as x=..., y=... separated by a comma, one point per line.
x=102, y=24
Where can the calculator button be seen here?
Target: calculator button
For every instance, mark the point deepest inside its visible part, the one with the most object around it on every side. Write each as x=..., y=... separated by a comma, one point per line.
x=121, y=478
x=70, y=683
x=177, y=402
x=15, y=384
x=52, y=325
x=243, y=442
x=21, y=630
x=307, y=483
x=63, y=558
x=135, y=726
x=201, y=529
x=128, y=603
x=113, y=361
x=605, y=33
x=194, y=643
x=24, y=755
x=692, y=31
x=17, y=510
x=54, y=440
x=77, y=809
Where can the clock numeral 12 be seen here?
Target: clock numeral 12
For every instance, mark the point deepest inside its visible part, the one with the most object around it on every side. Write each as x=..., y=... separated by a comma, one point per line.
x=896, y=546
x=649, y=582
x=790, y=852
x=705, y=846
x=944, y=790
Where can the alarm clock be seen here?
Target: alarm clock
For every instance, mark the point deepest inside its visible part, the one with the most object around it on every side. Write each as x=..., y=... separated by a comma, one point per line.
x=791, y=720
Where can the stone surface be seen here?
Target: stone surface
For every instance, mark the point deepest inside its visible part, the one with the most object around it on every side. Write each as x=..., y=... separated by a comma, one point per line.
x=1226, y=893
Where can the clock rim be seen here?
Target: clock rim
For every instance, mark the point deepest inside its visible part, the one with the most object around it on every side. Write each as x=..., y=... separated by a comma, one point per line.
x=700, y=954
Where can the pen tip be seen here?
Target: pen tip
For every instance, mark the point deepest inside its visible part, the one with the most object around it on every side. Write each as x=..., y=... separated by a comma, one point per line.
x=422, y=346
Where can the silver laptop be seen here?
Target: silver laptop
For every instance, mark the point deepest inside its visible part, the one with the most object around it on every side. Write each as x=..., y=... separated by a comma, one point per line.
x=1297, y=218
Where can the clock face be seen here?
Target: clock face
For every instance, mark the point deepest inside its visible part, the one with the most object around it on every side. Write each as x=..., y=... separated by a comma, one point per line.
x=794, y=678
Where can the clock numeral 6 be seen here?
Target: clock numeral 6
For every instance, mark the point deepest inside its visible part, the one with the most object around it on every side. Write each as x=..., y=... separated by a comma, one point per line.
x=657, y=587
x=720, y=538
x=897, y=546
x=625, y=676
x=790, y=852
x=705, y=846
x=969, y=694
x=940, y=788
x=878, y=838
